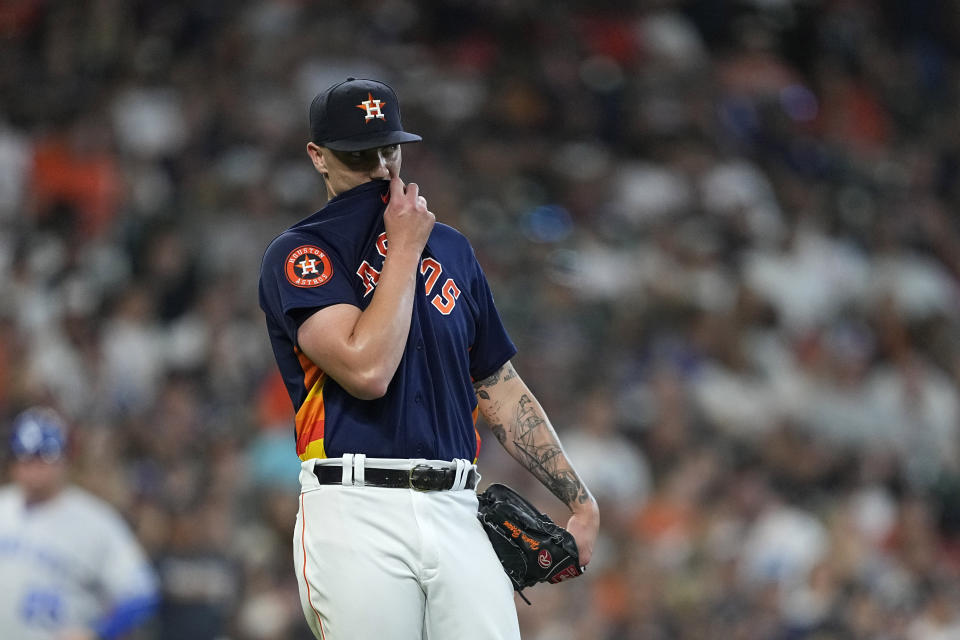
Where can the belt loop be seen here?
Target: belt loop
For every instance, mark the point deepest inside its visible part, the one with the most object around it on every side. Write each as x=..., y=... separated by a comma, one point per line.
x=460, y=479
x=358, y=466
x=347, y=470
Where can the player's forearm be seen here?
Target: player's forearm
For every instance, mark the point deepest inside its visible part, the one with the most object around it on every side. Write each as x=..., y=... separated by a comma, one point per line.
x=521, y=425
x=380, y=335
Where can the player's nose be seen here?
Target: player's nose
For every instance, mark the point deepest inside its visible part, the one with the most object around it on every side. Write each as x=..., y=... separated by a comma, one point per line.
x=380, y=169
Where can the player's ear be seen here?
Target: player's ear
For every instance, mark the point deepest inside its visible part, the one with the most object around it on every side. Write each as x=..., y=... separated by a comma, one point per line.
x=316, y=157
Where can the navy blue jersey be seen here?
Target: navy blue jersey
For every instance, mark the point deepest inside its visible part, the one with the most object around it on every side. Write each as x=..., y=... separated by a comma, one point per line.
x=456, y=336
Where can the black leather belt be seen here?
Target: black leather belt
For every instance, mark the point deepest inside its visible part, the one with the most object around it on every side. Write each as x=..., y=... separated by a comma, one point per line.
x=421, y=477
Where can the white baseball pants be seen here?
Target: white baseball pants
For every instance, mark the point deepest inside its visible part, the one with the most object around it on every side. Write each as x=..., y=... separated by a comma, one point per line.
x=397, y=564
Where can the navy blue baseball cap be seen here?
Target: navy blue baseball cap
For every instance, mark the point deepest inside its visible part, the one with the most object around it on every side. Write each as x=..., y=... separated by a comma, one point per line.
x=39, y=432
x=354, y=115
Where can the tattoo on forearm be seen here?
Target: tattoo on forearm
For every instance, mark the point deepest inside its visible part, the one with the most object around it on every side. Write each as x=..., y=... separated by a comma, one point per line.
x=546, y=460
x=528, y=434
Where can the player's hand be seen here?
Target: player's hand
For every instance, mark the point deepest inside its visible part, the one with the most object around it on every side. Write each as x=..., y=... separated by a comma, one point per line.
x=407, y=220
x=584, y=524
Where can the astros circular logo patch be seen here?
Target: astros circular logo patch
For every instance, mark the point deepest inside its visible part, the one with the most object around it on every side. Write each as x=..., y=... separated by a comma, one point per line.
x=308, y=266
x=544, y=558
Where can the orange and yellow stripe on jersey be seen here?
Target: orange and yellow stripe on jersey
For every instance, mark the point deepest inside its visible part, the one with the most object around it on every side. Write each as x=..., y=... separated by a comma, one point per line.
x=311, y=414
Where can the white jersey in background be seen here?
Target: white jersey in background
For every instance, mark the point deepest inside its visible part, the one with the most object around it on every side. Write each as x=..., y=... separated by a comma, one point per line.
x=64, y=563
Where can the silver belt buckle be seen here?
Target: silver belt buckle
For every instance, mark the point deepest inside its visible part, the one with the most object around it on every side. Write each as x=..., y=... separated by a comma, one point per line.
x=416, y=481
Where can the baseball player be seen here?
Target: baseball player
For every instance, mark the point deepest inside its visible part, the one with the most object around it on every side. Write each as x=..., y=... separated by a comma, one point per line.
x=385, y=331
x=70, y=569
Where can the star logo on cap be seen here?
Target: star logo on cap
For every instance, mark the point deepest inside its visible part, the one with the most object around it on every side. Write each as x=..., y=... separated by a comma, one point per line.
x=372, y=107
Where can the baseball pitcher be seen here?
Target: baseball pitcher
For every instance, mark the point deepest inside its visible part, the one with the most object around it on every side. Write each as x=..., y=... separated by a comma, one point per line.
x=386, y=334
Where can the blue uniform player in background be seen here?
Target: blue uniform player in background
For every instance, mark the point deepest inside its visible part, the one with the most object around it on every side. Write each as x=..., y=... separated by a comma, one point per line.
x=70, y=568
x=390, y=345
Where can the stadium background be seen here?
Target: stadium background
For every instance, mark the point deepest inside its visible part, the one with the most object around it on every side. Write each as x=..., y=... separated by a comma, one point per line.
x=723, y=234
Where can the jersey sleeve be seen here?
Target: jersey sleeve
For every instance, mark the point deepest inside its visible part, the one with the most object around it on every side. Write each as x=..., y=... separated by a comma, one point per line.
x=300, y=275
x=125, y=571
x=492, y=347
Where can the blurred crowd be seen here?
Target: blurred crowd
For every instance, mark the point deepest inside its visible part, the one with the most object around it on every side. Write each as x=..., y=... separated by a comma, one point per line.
x=724, y=235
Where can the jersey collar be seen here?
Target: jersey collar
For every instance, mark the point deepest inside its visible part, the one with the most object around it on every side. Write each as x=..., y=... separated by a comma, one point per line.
x=374, y=185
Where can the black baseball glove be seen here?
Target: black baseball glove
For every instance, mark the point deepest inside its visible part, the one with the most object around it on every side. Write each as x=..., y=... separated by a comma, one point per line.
x=531, y=547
